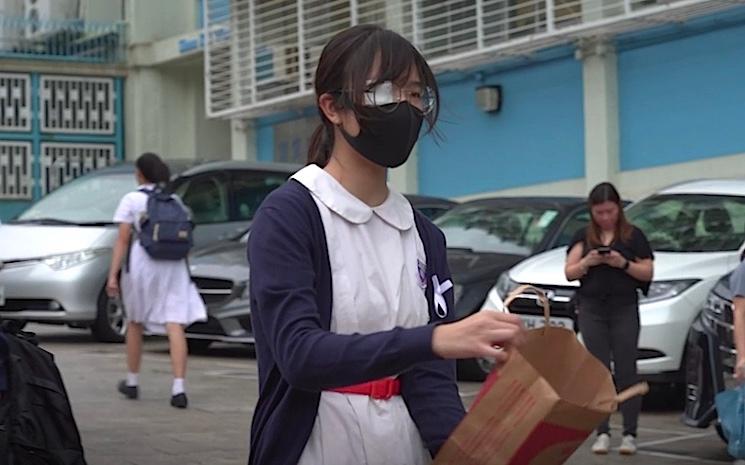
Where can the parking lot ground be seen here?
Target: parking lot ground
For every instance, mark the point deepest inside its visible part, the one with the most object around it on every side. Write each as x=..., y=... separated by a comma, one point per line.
x=222, y=388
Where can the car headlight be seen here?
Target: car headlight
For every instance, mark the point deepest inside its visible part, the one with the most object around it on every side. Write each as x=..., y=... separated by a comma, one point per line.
x=494, y=302
x=663, y=290
x=715, y=311
x=505, y=285
x=69, y=260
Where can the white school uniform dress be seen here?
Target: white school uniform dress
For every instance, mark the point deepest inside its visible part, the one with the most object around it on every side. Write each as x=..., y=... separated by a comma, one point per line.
x=155, y=292
x=377, y=266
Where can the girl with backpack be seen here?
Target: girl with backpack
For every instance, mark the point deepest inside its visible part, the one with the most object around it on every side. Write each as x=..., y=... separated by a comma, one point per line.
x=351, y=298
x=157, y=293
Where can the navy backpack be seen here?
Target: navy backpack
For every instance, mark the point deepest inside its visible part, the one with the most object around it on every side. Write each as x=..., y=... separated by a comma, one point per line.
x=166, y=229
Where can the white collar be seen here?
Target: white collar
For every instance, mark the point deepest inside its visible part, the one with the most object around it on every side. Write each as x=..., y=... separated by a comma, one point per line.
x=396, y=210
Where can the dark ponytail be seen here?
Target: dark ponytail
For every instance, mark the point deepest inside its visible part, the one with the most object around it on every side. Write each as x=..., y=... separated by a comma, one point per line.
x=344, y=69
x=153, y=169
x=321, y=143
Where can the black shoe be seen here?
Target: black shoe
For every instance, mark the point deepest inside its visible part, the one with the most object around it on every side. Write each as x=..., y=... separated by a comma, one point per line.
x=130, y=392
x=179, y=401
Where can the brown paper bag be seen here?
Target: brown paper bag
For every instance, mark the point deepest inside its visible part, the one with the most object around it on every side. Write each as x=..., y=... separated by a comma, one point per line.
x=540, y=406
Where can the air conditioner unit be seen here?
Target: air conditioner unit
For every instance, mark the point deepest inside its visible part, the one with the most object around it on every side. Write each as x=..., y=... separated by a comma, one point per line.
x=276, y=63
x=47, y=16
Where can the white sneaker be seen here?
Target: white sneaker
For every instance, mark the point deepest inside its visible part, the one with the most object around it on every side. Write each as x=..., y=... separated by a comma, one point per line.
x=628, y=445
x=602, y=444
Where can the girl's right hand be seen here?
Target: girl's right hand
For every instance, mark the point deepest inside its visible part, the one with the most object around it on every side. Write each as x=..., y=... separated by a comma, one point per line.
x=484, y=334
x=593, y=258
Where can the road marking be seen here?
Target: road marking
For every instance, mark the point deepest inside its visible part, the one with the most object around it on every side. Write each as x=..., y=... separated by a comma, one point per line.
x=676, y=439
x=665, y=455
x=672, y=432
x=231, y=374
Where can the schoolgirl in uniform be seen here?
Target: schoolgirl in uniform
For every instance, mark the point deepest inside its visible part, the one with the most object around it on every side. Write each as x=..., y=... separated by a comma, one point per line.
x=157, y=294
x=350, y=285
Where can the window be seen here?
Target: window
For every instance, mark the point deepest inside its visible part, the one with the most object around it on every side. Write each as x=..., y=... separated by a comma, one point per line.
x=577, y=221
x=497, y=228
x=248, y=189
x=89, y=199
x=691, y=223
x=206, y=196
x=432, y=212
x=291, y=139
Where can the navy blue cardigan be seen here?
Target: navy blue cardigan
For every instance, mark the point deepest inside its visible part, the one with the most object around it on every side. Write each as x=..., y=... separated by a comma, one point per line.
x=298, y=357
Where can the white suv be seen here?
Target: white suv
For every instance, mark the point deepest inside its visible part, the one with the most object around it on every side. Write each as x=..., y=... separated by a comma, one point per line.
x=696, y=230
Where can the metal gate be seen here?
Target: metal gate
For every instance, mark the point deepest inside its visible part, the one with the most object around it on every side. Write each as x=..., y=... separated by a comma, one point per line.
x=53, y=128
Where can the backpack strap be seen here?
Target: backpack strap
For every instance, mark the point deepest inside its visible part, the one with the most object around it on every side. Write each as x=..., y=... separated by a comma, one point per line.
x=149, y=193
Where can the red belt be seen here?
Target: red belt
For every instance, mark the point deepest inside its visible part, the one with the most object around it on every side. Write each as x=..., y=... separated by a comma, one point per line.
x=381, y=389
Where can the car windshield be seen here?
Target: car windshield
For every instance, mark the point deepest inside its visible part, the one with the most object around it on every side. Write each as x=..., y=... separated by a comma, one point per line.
x=87, y=200
x=497, y=229
x=691, y=223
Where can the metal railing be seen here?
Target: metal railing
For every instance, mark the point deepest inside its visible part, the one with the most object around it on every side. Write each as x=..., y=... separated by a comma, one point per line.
x=262, y=55
x=73, y=40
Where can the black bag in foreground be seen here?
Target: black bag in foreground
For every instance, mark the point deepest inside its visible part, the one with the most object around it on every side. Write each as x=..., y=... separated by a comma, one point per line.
x=37, y=426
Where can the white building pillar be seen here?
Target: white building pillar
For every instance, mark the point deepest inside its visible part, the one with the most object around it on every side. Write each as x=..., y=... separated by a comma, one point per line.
x=243, y=140
x=405, y=179
x=144, y=111
x=600, y=88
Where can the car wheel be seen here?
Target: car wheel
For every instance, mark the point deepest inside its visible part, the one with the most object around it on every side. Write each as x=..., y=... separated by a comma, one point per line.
x=111, y=320
x=198, y=346
x=474, y=369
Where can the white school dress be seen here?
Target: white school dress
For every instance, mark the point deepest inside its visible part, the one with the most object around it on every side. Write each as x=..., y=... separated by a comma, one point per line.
x=155, y=292
x=377, y=266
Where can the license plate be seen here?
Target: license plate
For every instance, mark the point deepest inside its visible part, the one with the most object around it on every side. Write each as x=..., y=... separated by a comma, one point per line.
x=532, y=322
x=2, y=296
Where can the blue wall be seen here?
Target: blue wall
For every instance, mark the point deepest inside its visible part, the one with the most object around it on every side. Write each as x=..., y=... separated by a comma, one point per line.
x=537, y=137
x=265, y=130
x=682, y=100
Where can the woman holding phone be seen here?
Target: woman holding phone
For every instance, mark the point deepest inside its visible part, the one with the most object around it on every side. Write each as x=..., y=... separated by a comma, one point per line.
x=612, y=259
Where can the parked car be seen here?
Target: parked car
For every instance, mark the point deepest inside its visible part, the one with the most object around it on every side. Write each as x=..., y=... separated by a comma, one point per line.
x=696, y=230
x=54, y=258
x=486, y=237
x=711, y=357
x=221, y=271
x=431, y=207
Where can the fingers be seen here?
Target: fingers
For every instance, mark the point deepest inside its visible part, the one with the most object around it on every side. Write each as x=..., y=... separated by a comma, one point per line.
x=500, y=356
x=112, y=291
x=502, y=317
x=503, y=330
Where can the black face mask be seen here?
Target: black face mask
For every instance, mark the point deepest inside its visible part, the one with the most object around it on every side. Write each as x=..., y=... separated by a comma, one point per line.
x=386, y=138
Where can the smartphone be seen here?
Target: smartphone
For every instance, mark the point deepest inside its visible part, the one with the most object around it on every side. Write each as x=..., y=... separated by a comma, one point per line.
x=603, y=250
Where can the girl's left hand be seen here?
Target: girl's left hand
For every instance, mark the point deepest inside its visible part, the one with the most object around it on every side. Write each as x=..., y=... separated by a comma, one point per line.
x=740, y=371
x=615, y=259
x=112, y=287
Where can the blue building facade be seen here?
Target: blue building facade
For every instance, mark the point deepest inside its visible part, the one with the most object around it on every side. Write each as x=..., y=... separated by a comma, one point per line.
x=678, y=101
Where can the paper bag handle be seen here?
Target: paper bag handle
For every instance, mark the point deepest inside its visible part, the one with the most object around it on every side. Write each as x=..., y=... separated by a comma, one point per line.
x=525, y=288
x=639, y=389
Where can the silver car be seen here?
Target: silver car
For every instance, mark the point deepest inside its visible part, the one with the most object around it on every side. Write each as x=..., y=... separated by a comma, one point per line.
x=54, y=258
x=221, y=270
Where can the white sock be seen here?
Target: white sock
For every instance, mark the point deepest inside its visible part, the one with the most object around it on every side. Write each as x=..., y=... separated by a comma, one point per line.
x=131, y=379
x=178, y=386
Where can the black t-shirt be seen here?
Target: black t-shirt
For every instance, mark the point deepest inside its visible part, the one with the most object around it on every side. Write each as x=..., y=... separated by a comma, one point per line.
x=609, y=284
